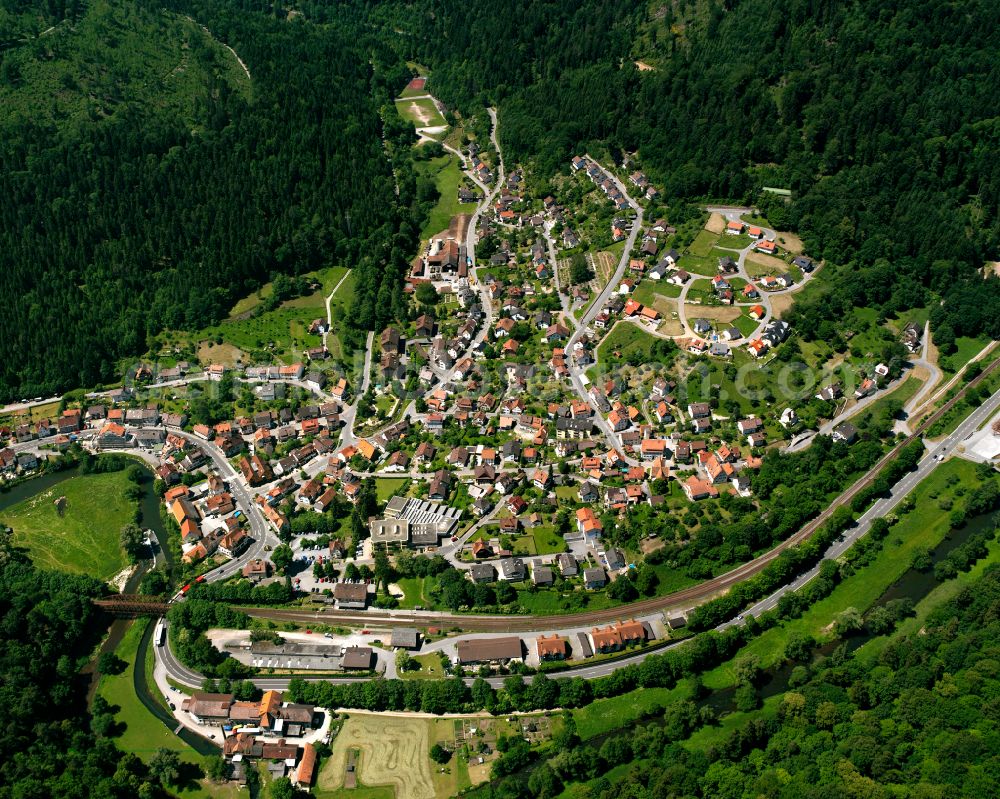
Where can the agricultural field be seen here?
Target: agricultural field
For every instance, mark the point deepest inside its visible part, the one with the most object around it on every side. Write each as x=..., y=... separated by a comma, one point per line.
x=393, y=752
x=84, y=539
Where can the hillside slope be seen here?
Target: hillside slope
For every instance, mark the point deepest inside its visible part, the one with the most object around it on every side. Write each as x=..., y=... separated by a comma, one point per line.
x=155, y=189
x=880, y=117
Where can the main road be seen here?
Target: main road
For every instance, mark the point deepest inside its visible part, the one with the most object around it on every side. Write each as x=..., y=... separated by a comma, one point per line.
x=689, y=597
x=978, y=417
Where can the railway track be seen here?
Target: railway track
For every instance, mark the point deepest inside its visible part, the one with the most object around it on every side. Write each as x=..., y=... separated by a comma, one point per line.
x=677, y=601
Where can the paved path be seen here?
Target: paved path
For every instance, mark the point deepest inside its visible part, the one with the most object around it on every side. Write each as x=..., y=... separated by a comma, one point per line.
x=577, y=377
x=882, y=507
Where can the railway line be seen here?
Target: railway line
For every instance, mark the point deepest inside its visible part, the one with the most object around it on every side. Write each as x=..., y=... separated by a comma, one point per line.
x=678, y=601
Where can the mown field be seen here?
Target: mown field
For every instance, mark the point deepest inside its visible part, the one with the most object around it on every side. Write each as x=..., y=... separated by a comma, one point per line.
x=85, y=538
x=142, y=733
x=447, y=176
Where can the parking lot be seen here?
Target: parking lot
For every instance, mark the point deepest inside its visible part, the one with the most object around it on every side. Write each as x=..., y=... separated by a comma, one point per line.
x=306, y=557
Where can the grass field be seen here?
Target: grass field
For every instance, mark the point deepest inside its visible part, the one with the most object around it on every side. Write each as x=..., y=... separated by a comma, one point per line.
x=704, y=242
x=603, y=715
x=656, y=292
x=386, y=487
x=745, y=325
x=447, y=177
x=394, y=753
x=623, y=339
x=281, y=333
x=422, y=113
x=143, y=733
x=114, y=58
x=415, y=592
x=85, y=538
x=916, y=531
x=943, y=593
x=430, y=668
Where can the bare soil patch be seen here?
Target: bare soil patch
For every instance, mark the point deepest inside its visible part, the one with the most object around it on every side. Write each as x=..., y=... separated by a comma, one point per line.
x=790, y=242
x=720, y=313
x=644, y=67
x=226, y=354
x=781, y=303
x=716, y=223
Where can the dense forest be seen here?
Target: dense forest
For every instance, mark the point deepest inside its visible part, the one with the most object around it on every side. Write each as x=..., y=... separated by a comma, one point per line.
x=113, y=230
x=920, y=721
x=880, y=118
x=52, y=746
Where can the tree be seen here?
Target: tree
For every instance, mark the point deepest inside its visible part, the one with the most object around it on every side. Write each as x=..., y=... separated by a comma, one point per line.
x=216, y=769
x=165, y=766
x=799, y=646
x=426, y=294
x=847, y=622
x=110, y=663
x=439, y=754
x=623, y=589
x=282, y=558
x=282, y=789
x=543, y=782
x=132, y=540
x=745, y=699
x=579, y=269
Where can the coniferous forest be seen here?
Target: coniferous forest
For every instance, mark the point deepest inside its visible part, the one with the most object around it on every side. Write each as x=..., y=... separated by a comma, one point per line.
x=880, y=118
x=136, y=222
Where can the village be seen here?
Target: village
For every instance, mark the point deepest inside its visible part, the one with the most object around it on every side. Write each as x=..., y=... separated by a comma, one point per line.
x=562, y=408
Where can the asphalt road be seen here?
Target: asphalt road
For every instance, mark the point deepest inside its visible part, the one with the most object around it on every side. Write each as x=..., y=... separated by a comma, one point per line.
x=969, y=425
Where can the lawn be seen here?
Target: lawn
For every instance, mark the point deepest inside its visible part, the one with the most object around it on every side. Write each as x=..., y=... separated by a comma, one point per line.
x=706, y=265
x=916, y=531
x=415, y=592
x=603, y=715
x=85, y=538
x=430, y=668
x=143, y=733
x=745, y=325
x=386, y=487
x=966, y=349
x=649, y=291
x=547, y=541
x=447, y=177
